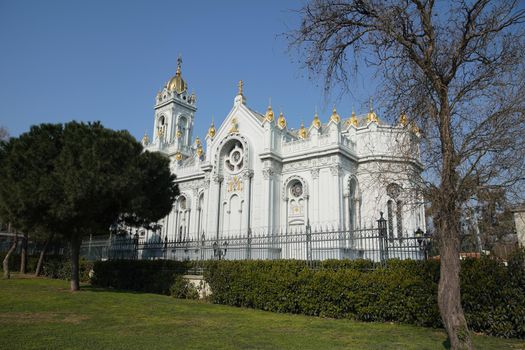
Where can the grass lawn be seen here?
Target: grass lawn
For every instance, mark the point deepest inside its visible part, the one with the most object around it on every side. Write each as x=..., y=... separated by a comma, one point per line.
x=43, y=314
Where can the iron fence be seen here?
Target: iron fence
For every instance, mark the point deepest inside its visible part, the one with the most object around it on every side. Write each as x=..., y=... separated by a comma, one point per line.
x=303, y=244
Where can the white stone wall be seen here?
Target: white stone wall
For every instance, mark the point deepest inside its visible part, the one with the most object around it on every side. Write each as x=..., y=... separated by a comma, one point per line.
x=325, y=163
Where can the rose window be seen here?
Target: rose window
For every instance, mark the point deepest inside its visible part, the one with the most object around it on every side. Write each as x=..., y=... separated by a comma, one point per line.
x=234, y=162
x=297, y=189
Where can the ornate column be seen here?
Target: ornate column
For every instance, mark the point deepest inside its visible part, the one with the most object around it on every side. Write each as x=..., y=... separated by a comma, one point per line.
x=337, y=192
x=246, y=210
x=314, y=218
x=194, y=224
x=214, y=206
x=205, y=211
x=268, y=174
x=346, y=210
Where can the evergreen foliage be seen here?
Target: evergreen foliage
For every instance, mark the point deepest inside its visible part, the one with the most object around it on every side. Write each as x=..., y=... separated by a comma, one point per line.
x=78, y=179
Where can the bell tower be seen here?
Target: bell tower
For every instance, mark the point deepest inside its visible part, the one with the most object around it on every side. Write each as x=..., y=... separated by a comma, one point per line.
x=174, y=116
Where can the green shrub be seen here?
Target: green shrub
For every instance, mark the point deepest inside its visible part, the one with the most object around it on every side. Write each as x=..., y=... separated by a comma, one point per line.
x=60, y=268
x=151, y=276
x=493, y=295
x=183, y=289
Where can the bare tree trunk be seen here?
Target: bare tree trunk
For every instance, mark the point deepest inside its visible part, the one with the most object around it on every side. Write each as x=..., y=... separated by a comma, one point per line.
x=449, y=295
x=23, y=254
x=5, y=263
x=75, y=256
x=448, y=223
x=42, y=254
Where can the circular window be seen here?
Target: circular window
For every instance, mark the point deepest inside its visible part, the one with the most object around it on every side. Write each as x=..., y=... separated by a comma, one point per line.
x=297, y=189
x=393, y=190
x=234, y=162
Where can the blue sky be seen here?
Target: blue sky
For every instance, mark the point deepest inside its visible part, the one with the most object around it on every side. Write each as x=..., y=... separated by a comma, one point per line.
x=105, y=60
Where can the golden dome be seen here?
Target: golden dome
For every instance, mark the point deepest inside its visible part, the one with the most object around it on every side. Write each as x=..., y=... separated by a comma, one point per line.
x=211, y=130
x=335, y=117
x=316, y=122
x=353, y=120
x=281, y=121
x=178, y=156
x=176, y=83
x=403, y=119
x=269, y=114
x=197, y=141
x=302, y=131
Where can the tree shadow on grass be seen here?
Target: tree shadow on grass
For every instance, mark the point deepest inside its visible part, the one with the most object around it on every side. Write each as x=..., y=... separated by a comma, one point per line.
x=90, y=288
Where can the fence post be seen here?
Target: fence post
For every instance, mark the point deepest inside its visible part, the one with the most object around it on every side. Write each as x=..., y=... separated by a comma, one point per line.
x=308, y=241
x=383, y=245
x=249, y=245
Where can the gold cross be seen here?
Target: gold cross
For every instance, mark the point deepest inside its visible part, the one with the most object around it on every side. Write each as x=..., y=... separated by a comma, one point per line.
x=240, y=87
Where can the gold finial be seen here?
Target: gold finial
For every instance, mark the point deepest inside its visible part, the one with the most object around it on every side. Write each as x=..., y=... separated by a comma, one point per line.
x=178, y=134
x=240, y=87
x=281, y=121
x=269, y=114
x=200, y=151
x=372, y=116
x=353, y=120
x=414, y=128
x=178, y=156
x=211, y=129
x=302, y=131
x=403, y=119
x=335, y=117
x=316, y=122
x=197, y=141
x=234, y=127
x=145, y=138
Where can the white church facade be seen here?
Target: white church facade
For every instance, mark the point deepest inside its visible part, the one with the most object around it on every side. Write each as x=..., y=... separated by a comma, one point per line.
x=254, y=173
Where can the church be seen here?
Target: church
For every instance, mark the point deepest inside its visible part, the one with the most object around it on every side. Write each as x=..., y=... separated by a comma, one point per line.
x=256, y=173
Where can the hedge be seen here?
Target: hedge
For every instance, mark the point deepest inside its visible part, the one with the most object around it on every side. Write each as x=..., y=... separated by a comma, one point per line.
x=55, y=266
x=493, y=296
x=151, y=276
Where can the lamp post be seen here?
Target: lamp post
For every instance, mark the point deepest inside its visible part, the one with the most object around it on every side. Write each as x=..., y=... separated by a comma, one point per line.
x=423, y=240
x=383, y=244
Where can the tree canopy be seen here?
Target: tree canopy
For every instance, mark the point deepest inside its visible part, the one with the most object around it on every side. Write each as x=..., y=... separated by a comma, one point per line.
x=78, y=179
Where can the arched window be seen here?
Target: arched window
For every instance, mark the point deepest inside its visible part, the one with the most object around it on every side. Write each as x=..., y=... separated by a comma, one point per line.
x=296, y=203
x=352, y=205
x=161, y=127
x=182, y=130
x=399, y=219
x=394, y=192
x=182, y=218
x=390, y=219
x=200, y=208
